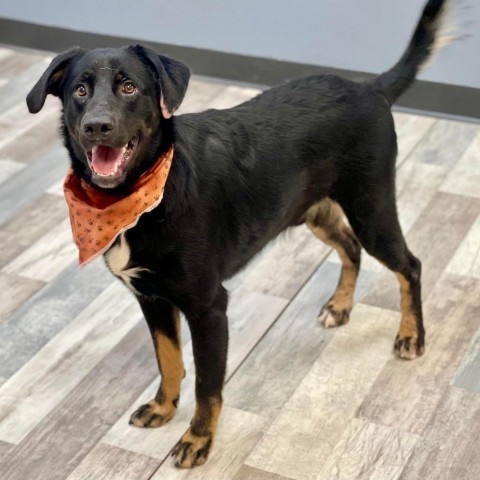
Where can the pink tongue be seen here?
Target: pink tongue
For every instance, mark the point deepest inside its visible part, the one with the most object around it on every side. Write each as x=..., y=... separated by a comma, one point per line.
x=105, y=159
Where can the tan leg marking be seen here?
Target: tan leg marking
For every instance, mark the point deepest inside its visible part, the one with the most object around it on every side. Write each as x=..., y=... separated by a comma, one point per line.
x=406, y=341
x=327, y=221
x=195, y=445
x=169, y=357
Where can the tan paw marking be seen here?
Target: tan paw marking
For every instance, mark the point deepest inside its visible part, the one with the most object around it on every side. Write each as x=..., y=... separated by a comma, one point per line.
x=409, y=348
x=152, y=414
x=192, y=450
x=329, y=317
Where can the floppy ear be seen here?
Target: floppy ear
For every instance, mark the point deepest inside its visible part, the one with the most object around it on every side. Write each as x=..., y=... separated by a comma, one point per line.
x=52, y=79
x=172, y=75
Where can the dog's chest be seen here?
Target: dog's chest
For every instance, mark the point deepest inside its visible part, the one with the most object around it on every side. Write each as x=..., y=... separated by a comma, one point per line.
x=119, y=261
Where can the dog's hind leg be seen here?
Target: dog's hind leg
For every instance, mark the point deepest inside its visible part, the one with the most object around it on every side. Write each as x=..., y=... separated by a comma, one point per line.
x=327, y=221
x=375, y=222
x=164, y=322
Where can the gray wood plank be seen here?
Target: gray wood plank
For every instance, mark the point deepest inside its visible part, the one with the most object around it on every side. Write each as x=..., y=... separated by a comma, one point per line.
x=14, y=291
x=302, y=436
x=250, y=473
x=5, y=449
x=105, y=462
x=199, y=94
x=449, y=450
x=232, y=96
x=30, y=183
x=464, y=179
x=8, y=168
x=411, y=129
x=466, y=260
x=29, y=224
x=23, y=82
x=406, y=394
x=32, y=392
x=468, y=374
x=446, y=142
x=368, y=451
x=434, y=238
x=13, y=62
x=39, y=319
x=287, y=351
x=48, y=256
x=287, y=264
x=62, y=439
x=37, y=134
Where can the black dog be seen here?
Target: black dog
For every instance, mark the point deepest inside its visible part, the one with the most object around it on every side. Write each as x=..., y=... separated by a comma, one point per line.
x=304, y=152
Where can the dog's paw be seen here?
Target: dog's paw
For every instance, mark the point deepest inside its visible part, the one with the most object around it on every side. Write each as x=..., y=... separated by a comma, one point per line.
x=192, y=450
x=330, y=317
x=409, y=348
x=152, y=414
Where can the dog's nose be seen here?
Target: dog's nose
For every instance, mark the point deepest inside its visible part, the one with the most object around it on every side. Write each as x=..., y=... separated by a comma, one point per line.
x=98, y=127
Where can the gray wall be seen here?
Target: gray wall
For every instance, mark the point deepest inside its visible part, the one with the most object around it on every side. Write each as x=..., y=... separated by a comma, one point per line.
x=359, y=35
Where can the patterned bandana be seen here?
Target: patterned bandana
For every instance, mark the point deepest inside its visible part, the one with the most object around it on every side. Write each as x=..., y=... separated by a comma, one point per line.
x=98, y=217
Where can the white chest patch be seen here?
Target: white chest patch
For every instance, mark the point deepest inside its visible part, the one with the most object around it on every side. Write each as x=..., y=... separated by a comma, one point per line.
x=118, y=258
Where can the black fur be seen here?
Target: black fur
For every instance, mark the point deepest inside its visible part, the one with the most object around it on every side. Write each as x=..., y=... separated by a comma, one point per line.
x=240, y=176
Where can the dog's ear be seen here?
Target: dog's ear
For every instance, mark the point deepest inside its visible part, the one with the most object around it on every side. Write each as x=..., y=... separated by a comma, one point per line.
x=52, y=79
x=172, y=75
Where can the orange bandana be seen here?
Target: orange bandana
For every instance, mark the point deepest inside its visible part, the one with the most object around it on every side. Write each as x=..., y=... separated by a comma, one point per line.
x=97, y=217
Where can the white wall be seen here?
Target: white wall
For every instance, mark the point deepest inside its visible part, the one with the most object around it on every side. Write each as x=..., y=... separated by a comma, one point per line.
x=359, y=35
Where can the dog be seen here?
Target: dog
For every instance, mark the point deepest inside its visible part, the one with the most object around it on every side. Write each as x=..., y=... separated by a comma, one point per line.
x=311, y=151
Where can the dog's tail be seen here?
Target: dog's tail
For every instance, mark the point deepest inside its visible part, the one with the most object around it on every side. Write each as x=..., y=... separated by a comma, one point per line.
x=427, y=38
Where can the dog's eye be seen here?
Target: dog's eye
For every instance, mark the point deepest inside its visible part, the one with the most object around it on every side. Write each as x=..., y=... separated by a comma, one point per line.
x=80, y=90
x=129, y=88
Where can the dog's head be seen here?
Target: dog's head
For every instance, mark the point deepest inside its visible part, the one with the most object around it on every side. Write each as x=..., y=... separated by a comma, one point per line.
x=115, y=103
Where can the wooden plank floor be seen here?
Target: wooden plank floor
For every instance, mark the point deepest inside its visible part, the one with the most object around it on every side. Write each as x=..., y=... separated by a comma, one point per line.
x=301, y=402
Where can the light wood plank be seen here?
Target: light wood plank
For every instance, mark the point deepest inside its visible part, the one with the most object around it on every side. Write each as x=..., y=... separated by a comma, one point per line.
x=312, y=421
x=449, y=450
x=14, y=291
x=237, y=433
x=38, y=320
x=199, y=94
x=23, y=81
x=47, y=257
x=37, y=135
x=468, y=374
x=369, y=452
x=15, y=61
x=31, y=223
x=446, y=142
x=434, y=238
x=232, y=96
x=285, y=354
x=287, y=264
x=250, y=316
x=68, y=433
x=406, y=394
x=466, y=260
x=464, y=178
x=5, y=449
x=110, y=463
x=30, y=183
x=37, y=388
x=411, y=129
x=17, y=121
x=250, y=473
x=8, y=168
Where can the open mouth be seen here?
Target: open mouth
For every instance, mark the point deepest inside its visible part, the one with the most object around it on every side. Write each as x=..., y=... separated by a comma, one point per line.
x=110, y=161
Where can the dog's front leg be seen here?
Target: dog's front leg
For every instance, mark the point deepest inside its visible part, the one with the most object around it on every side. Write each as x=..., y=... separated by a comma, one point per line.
x=164, y=322
x=209, y=330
